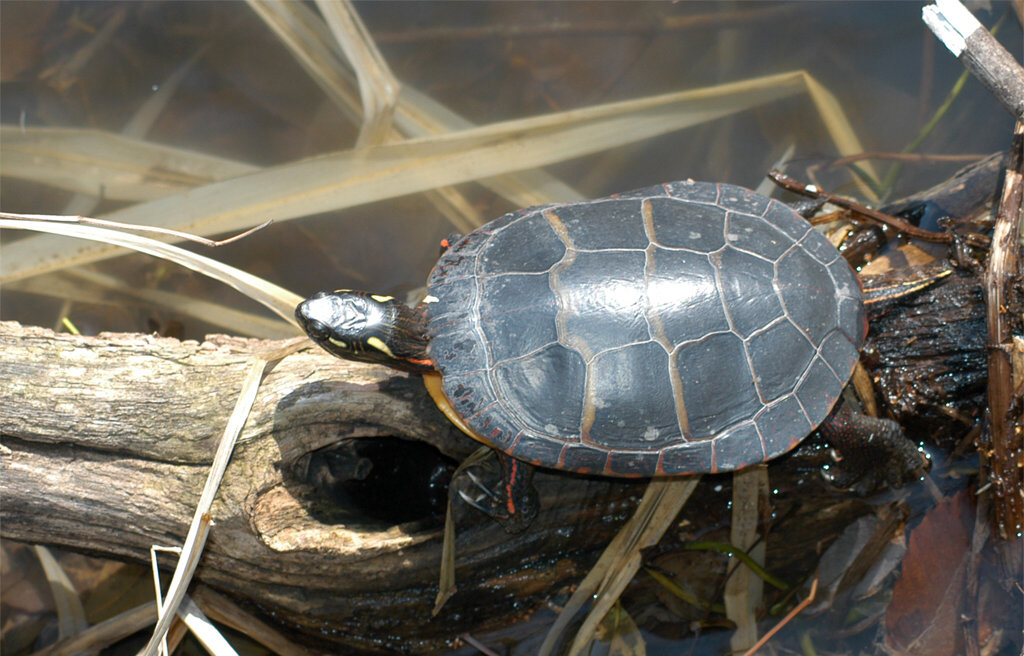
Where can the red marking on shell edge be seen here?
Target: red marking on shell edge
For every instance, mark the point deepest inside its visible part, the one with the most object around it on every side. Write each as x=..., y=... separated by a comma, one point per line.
x=513, y=473
x=514, y=442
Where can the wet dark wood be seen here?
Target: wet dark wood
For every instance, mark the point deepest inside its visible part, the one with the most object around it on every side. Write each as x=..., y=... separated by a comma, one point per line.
x=1003, y=279
x=927, y=358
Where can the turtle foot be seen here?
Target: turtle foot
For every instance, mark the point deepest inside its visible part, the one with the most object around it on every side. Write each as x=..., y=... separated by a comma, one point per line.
x=874, y=452
x=513, y=503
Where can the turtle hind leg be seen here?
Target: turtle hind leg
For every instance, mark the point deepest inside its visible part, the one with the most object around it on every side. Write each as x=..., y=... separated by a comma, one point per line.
x=513, y=502
x=873, y=451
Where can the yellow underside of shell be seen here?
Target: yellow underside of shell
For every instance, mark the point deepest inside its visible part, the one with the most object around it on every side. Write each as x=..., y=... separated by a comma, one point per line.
x=432, y=381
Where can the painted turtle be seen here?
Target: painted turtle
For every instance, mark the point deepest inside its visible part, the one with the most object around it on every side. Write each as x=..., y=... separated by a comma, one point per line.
x=687, y=327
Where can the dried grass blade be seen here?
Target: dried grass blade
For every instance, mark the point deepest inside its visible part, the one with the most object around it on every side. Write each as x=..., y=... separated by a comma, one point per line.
x=70, y=612
x=353, y=178
x=196, y=538
x=277, y=299
x=114, y=166
x=89, y=286
x=225, y=611
x=839, y=129
x=416, y=115
x=744, y=589
x=208, y=635
x=378, y=88
x=311, y=44
x=419, y=115
x=105, y=633
x=621, y=559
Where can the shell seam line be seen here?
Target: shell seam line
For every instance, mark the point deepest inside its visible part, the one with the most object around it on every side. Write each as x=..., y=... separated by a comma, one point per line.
x=567, y=339
x=657, y=326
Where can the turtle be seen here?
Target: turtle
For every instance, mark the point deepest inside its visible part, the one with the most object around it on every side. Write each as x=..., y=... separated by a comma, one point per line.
x=688, y=327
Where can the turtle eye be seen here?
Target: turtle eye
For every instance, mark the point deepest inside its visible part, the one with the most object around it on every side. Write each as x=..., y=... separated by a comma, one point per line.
x=329, y=339
x=318, y=330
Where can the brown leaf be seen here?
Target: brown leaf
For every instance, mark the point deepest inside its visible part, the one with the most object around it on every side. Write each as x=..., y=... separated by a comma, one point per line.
x=923, y=616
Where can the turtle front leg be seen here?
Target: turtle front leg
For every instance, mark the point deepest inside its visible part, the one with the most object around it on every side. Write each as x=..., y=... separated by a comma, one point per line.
x=873, y=450
x=513, y=502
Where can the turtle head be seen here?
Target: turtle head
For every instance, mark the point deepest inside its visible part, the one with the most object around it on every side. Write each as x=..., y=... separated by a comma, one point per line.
x=367, y=328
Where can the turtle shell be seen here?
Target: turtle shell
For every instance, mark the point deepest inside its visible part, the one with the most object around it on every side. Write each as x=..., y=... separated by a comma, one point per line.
x=687, y=327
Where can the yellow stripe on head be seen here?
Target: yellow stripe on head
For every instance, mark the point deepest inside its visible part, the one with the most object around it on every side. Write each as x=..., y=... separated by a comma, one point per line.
x=376, y=343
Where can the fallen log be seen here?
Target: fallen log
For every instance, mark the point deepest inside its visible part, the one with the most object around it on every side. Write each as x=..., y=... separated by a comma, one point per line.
x=107, y=443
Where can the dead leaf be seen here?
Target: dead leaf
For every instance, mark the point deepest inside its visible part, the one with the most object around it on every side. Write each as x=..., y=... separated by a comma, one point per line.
x=924, y=614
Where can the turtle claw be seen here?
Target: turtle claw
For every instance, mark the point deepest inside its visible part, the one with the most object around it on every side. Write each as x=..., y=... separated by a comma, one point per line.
x=486, y=500
x=488, y=492
x=475, y=503
x=512, y=503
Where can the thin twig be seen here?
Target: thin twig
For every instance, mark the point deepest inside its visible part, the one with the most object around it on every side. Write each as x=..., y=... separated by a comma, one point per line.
x=479, y=646
x=787, y=619
x=1005, y=416
x=901, y=226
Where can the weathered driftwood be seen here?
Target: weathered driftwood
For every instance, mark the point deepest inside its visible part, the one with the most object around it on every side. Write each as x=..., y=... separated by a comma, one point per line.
x=107, y=441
